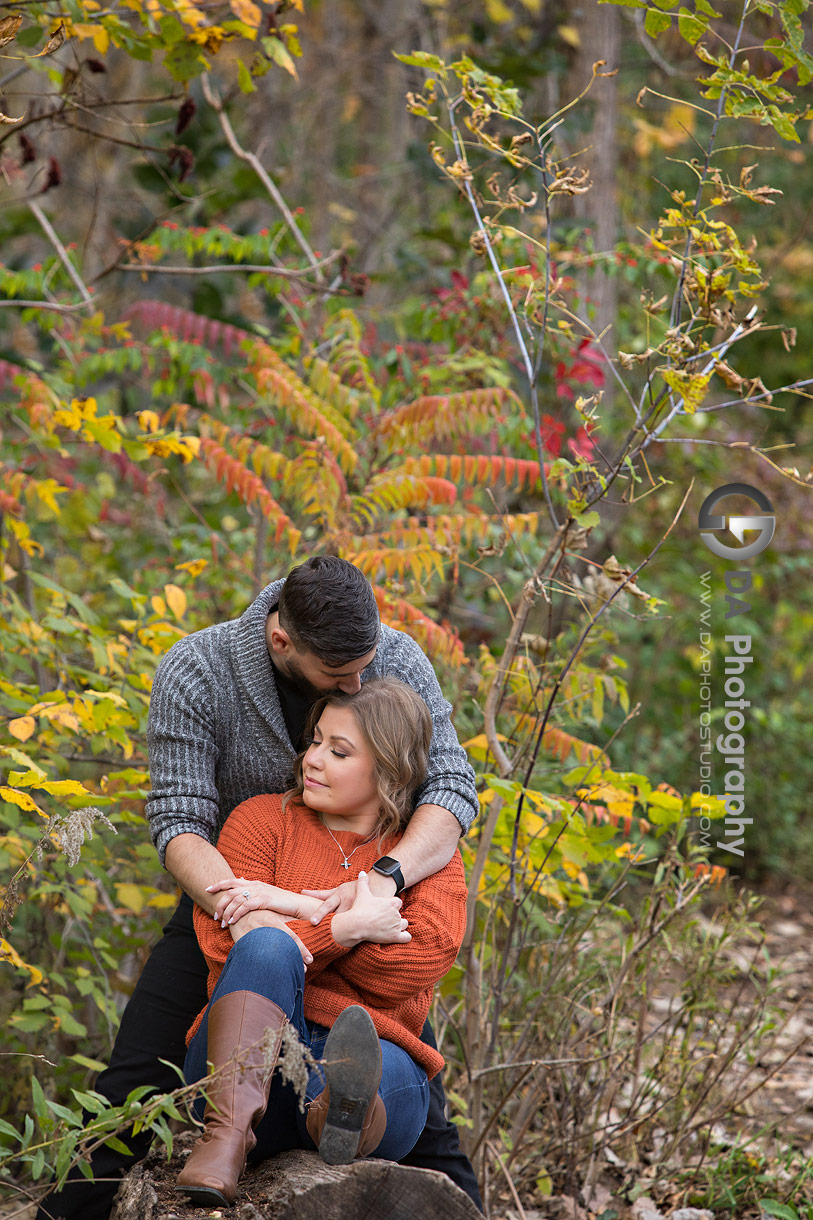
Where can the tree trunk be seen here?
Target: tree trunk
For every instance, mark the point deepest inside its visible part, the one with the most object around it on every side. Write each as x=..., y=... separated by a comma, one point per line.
x=299, y=1186
x=600, y=38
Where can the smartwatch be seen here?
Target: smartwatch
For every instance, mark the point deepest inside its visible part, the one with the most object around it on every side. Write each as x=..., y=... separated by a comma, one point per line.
x=389, y=867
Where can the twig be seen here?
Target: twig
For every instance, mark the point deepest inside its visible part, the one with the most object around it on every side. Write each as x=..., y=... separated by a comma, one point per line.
x=736, y=402
x=522, y=1213
x=266, y=179
x=284, y=273
x=52, y=306
x=677, y=300
x=530, y=592
x=530, y=372
x=53, y=237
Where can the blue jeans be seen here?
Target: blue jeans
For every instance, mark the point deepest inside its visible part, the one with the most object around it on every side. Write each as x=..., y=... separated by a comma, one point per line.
x=268, y=962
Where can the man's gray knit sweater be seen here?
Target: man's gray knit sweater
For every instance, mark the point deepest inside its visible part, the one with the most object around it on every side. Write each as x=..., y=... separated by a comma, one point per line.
x=217, y=735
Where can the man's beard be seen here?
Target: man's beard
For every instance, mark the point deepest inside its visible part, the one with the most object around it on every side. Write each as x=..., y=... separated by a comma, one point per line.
x=294, y=674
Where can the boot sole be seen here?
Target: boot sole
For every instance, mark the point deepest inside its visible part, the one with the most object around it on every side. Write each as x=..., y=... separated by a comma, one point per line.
x=353, y=1071
x=205, y=1196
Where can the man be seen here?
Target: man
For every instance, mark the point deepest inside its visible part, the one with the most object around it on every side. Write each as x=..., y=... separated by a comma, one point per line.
x=227, y=713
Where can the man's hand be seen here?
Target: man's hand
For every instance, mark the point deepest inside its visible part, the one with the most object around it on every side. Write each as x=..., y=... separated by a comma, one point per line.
x=341, y=898
x=268, y=919
x=370, y=918
x=237, y=897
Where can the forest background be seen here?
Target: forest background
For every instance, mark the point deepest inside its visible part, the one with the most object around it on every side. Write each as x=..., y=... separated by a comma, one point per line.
x=486, y=297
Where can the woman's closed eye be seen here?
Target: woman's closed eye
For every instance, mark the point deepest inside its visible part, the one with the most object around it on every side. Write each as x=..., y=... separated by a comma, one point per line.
x=317, y=741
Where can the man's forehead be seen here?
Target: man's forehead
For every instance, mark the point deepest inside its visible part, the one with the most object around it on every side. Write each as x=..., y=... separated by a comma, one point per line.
x=348, y=668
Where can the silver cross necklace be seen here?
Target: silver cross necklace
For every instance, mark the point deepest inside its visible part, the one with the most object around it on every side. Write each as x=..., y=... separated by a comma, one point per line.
x=345, y=859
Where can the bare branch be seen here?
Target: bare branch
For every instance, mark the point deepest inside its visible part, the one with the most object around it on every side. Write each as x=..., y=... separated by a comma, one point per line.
x=266, y=179
x=49, y=306
x=284, y=273
x=53, y=237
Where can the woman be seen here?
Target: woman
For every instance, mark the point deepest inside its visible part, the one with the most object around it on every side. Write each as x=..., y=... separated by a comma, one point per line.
x=362, y=1005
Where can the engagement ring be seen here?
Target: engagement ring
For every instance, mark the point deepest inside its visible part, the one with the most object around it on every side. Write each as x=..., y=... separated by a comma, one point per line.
x=246, y=894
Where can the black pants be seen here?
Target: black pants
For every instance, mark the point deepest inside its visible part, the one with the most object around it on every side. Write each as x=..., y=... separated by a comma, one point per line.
x=169, y=994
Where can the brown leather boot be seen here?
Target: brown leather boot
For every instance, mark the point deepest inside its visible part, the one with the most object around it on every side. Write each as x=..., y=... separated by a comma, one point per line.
x=237, y=1099
x=348, y=1119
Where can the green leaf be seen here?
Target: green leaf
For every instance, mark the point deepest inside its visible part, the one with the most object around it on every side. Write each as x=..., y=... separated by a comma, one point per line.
x=69, y=1025
x=244, y=78
x=40, y=1104
x=7, y=1129
x=38, y=1164
x=64, y=1157
x=94, y=1103
x=85, y=613
x=71, y=1117
x=422, y=59
x=656, y=22
x=691, y=27
x=278, y=53
x=117, y=1145
x=94, y=1065
x=773, y=1208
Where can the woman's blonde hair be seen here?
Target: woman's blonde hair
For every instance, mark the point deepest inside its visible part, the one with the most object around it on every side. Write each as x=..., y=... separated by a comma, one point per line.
x=397, y=729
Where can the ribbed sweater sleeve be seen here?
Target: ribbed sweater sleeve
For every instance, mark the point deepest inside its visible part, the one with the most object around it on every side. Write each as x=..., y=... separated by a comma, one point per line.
x=183, y=750
x=249, y=841
x=436, y=913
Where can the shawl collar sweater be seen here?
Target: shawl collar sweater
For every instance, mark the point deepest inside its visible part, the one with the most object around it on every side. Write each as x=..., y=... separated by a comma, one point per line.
x=217, y=735
x=394, y=983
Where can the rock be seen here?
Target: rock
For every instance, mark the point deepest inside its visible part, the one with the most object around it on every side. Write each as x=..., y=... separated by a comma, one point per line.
x=645, y=1208
x=691, y=1213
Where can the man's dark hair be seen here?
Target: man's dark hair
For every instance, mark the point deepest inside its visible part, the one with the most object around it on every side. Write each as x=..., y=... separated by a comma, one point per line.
x=327, y=606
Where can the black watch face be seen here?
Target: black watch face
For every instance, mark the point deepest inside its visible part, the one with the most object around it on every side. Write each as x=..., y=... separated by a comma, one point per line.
x=386, y=865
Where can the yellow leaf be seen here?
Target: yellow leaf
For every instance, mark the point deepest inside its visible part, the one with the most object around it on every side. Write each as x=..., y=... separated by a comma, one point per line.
x=159, y=605
x=100, y=36
x=161, y=901
x=22, y=727
x=189, y=15
x=193, y=566
x=498, y=11
x=130, y=896
x=6, y=118
x=63, y=787
x=47, y=490
x=9, y=954
x=22, y=799
x=61, y=713
x=569, y=34
x=247, y=12
x=148, y=421
x=176, y=600
x=112, y=695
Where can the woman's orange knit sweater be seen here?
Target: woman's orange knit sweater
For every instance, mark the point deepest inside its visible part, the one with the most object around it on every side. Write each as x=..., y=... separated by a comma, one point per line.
x=293, y=850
